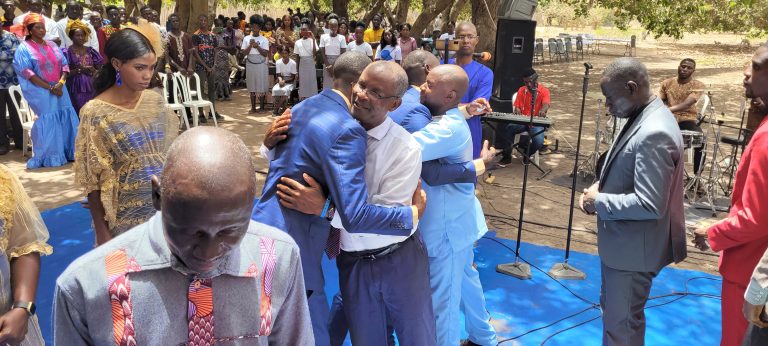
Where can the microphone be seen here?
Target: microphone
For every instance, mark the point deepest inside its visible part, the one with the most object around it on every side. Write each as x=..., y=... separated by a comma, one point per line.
x=484, y=56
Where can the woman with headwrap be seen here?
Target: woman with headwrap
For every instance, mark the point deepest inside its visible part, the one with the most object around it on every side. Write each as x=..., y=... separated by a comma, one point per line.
x=83, y=64
x=42, y=71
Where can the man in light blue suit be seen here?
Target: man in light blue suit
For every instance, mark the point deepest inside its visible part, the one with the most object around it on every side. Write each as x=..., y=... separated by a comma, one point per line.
x=414, y=116
x=325, y=142
x=450, y=222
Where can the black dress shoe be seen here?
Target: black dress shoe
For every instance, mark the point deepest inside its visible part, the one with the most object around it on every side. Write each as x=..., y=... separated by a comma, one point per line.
x=4, y=149
x=505, y=159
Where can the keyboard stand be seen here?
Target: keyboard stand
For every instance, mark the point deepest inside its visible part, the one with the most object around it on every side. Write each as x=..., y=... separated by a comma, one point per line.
x=527, y=160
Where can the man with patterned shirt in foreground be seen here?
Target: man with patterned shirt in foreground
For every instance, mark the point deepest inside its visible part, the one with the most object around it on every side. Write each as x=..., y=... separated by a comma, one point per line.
x=199, y=272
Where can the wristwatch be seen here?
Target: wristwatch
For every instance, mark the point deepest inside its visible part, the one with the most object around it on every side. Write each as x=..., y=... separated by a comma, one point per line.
x=29, y=306
x=330, y=213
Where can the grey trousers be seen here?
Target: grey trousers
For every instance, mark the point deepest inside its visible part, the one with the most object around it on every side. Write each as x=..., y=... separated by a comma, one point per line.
x=622, y=298
x=755, y=336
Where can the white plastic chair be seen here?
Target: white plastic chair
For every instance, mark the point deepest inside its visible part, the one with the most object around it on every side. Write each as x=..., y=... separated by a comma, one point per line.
x=25, y=114
x=194, y=102
x=175, y=106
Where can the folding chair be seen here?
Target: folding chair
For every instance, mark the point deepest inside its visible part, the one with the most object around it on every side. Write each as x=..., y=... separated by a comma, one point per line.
x=538, y=51
x=552, y=45
x=25, y=114
x=174, y=106
x=568, y=49
x=561, y=49
x=631, y=48
x=580, y=46
x=194, y=102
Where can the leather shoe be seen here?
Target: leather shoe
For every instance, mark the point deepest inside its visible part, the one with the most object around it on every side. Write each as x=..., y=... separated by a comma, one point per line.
x=4, y=149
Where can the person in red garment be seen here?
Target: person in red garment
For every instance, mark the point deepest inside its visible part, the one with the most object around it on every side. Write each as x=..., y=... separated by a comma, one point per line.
x=743, y=235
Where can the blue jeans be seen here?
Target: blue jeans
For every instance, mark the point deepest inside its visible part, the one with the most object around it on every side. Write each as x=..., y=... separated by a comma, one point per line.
x=506, y=134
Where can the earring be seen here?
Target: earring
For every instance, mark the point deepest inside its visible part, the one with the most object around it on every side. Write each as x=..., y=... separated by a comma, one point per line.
x=118, y=79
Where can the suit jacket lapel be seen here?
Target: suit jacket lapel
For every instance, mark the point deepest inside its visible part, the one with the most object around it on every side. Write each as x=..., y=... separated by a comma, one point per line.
x=618, y=147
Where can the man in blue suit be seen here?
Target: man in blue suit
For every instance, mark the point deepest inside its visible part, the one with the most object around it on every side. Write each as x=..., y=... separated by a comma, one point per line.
x=325, y=142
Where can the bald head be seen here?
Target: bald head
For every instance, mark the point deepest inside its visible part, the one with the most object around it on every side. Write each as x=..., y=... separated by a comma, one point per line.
x=393, y=74
x=417, y=64
x=210, y=163
x=349, y=66
x=625, y=70
x=466, y=27
x=626, y=87
x=445, y=86
x=454, y=77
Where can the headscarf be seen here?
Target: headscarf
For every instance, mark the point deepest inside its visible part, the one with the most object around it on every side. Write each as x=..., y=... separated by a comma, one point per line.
x=78, y=24
x=151, y=33
x=31, y=18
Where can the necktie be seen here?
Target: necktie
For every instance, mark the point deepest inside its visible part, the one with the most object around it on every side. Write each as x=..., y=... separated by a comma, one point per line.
x=200, y=312
x=333, y=244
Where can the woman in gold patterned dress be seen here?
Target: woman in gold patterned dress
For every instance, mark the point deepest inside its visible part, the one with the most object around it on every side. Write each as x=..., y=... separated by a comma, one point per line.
x=124, y=133
x=23, y=238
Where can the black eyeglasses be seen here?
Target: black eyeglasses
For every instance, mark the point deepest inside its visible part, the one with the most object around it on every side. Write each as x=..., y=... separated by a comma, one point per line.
x=371, y=93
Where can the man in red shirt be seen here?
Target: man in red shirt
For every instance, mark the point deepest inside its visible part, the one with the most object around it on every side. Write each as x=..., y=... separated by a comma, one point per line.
x=522, y=105
x=742, y=237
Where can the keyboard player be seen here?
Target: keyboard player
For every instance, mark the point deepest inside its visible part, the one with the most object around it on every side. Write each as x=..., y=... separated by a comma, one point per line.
x=522, y=105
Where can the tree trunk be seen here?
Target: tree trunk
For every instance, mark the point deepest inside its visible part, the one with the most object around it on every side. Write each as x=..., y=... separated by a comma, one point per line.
x=188, y=11
x=444, y=15
x=340, y=8
x=156, y=5
x=456, y=9
x=401, y=11
x=377, y=6
x=484, y=18
x=132, y=7
x=431, y=8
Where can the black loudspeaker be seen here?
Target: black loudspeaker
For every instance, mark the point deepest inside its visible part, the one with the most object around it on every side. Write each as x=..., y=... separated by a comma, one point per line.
x=514, y=55
x=517, y=9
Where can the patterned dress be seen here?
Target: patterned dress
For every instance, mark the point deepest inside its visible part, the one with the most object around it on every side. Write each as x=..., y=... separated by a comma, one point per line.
x=80, y=85
x=22, y=232
x=118, y=150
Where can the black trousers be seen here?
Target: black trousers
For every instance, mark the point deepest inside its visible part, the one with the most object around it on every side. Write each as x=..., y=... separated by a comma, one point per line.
x=6, y=104
x=755, y=336
x=691, y=125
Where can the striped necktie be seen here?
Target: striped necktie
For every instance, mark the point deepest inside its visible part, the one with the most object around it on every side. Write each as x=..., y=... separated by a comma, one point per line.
x=200, y=312
x=333, y=244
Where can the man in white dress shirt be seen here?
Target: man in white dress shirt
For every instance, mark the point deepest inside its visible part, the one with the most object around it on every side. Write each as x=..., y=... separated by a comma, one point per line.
x=381, y=276
x=75, y=12
x=36, y=6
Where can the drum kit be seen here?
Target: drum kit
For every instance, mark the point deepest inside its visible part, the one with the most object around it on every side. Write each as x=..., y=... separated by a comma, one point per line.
x=713, y=182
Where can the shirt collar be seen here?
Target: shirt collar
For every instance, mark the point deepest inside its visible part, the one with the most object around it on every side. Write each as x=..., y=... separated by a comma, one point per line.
x=157, y=255
x=346, y=100
x=380, y=131
x=418, y=88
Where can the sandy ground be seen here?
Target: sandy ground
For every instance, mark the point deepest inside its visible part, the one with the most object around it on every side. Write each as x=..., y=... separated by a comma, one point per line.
x=721, y=60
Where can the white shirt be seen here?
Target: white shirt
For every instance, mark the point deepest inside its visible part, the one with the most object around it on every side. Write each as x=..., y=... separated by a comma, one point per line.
x=364, y=48
x=261, y=41
x=303, y=47
x=332, y=45
x=447, y=35
x=61, y=31
x=394, y=53
x=392, y=170
x=50, y=26
x=284, y=69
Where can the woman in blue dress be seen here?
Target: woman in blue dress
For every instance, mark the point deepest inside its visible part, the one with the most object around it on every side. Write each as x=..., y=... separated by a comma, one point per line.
x=42, y=71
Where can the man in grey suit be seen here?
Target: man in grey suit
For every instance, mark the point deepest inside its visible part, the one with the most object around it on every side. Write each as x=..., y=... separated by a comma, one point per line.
x=638, y=201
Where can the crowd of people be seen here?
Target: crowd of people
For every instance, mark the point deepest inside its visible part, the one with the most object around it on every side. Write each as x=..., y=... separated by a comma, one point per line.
x=376, y=169
x=223, y=54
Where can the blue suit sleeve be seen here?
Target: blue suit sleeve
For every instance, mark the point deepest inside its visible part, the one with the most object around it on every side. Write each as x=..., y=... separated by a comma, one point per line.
x=344, y=172
x=436, y=173
x=417, y=118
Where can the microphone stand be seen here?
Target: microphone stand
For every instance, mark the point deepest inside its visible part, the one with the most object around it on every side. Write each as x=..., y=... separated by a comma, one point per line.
x=522, y=270
x=445, y=55
x=564, y=270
